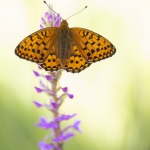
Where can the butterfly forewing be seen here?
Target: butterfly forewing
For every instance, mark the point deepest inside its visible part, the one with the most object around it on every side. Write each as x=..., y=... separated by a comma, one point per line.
x=37, y=46
x=92, y=46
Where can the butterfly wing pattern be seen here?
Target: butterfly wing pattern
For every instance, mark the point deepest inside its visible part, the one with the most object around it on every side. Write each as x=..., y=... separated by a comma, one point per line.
x=74, y=64
x=93, y=46
x=85, y=47
x=36, y=47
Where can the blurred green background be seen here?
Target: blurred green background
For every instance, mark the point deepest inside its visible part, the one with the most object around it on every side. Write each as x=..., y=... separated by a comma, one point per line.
x=112, y=97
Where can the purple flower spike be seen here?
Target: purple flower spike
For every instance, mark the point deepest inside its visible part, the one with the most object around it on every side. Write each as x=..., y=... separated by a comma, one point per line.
x=50, y=18
x=76, y=126
x=38, y=90
x=37, y=104
x=65, y=89
x=65, y=117
x=41, y=27
x=36, y=73
x=70, y=96
x=61, y=138
x=48, y=77
x=46, y=15
x=43, y=20
x=51, y=87
x=45, y=146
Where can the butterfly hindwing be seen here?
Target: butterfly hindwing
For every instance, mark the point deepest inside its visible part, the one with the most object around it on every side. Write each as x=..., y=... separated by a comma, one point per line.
x=74, y=64
x=36, y=47
x=92, y=46
x=52, y=63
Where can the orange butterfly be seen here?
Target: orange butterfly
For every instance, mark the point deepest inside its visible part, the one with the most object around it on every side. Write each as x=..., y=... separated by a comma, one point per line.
x=72, y=49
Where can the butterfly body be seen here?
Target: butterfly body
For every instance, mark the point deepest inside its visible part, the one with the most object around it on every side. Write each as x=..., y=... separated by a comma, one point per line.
x=72, y=49
x=64, y=45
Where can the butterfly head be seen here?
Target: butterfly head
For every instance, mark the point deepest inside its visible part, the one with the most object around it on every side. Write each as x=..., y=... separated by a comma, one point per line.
x=64, y=23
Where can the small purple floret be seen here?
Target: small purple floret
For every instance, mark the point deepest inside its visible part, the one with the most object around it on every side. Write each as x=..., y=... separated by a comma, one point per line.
x=45, y=146
x=36, y=73
x=43, y=20
x=54, y=105
x=38, y=90
x=76, y=126
x=45, y=124
x=42, y=84
x=50, y=18
x=41, y=27
x=46, y=15
x=61, y=138
x=65, y=89
x=65, y=117
x=48, y=77
x=37, y=104
x=70, y=96
x=39, y=65
x=56, y=23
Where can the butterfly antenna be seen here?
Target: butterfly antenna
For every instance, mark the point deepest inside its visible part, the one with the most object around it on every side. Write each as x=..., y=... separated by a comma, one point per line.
x=51, y=8
x=77, y=12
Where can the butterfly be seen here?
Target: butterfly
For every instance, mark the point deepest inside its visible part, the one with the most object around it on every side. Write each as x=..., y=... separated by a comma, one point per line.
x=71, y=49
